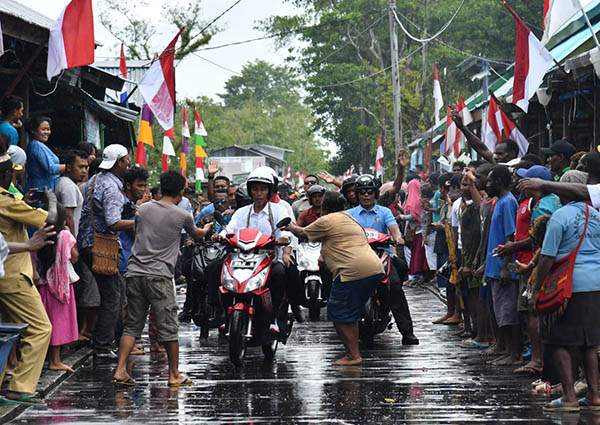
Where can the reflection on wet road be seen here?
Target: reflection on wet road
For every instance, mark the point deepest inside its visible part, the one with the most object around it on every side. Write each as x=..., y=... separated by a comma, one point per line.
x=430, y=383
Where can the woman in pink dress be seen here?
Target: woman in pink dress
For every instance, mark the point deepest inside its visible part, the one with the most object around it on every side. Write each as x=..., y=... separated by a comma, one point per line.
x=56, y=290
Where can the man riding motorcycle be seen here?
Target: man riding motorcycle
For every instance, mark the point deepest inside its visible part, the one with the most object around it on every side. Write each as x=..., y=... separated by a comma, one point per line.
x=347, y=190
x=370, y=215
x=262, y=215
x=315, y=198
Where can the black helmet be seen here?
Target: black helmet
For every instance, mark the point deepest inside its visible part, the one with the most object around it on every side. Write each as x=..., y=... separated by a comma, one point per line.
x=347, y=183
x=367, y=181
x=313, y=190
x=241, y=196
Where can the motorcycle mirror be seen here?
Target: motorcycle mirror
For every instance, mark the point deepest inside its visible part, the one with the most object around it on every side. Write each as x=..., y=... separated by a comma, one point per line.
x=229, y=235
x=219, y=218
x=284, y=222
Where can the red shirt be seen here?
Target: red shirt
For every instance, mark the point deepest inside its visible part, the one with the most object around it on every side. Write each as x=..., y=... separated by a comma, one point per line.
x=307, y=217
x=522, y=231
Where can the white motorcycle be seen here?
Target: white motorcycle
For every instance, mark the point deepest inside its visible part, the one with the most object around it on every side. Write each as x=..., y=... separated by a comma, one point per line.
x=308, y=265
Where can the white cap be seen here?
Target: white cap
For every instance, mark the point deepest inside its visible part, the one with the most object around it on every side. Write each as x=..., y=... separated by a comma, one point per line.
x=17, y=156
x=111, y=154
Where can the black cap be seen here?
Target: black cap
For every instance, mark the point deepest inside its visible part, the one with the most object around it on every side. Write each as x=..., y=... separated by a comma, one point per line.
x=561, y=147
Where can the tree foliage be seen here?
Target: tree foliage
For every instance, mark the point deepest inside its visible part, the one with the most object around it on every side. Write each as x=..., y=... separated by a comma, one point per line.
x=344, y=61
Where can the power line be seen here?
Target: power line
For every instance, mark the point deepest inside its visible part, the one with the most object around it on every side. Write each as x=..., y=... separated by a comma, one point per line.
x=426, y=40
x=216, y=64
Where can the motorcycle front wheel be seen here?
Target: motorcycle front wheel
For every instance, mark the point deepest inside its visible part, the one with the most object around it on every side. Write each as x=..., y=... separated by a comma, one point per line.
x=366, y=327
x=237, y=336
x=270, y=349
x=314, y=307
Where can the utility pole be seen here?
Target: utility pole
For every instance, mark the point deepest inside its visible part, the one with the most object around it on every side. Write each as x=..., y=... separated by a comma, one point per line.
x=395, y=79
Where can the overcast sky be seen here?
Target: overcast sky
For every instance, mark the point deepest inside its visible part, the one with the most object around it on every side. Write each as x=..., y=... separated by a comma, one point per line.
x=196, y=77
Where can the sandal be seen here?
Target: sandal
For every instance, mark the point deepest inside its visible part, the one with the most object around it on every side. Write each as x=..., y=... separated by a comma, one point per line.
x=527, y=370
x=31, y=400
x=185, y=383
x=129, y=382
x=471, y=343
x=584, y=405
x=558, y=406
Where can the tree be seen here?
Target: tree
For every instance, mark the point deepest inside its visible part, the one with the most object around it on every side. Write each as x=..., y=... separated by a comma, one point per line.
x=125, y=21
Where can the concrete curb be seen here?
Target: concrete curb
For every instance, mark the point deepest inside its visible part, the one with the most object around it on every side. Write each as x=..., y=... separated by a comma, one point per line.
x=49, y=380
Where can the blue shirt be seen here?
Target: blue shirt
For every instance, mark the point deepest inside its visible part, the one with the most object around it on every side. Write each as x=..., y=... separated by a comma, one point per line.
x=546, y=205
x=563, y=232
x=43, y=166
x=207, y=210
x=9, y=132
x=435, y=216
x=108, y=207
x=126, y=239
x=378, y=218
x=503, y=224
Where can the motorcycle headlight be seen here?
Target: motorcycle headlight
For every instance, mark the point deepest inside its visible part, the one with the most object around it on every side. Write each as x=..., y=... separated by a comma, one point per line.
x=256, y=281
x=227, y=280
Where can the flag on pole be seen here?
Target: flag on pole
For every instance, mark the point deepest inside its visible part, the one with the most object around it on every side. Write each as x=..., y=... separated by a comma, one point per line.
x=145, y=133
x=1, y=42
x=199, y=132
x=450, y=137
x=557, y=13
x=71, y=43
x=532, y=61
x=158, y=87
x=288, y=174
x=379, y=160
x=168, y=150
x=437, y=94
x=498, y=124
x=467, y=119
x=123, y=70
x=140, y=154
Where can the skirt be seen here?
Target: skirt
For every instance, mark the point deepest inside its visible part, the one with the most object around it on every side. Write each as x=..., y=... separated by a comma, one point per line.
x=62, y=316
x=347, y=299
x=418, y=259
x=579, y=324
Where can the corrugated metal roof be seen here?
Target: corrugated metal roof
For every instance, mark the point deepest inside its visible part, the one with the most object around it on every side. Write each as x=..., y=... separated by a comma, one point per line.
x=23, y=12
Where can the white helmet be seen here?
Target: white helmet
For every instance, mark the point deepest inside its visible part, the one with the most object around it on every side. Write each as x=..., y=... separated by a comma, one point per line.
x=265, y=175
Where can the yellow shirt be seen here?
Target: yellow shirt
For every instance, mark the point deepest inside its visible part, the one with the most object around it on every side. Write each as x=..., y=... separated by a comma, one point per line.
x=345, y=248
x=15, y=216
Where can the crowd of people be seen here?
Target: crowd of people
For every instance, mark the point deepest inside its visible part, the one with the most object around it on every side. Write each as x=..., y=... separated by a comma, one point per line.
x=90, y=252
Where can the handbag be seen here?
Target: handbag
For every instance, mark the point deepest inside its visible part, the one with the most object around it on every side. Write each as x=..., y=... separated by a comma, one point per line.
x=557, y=287
x=105, y=249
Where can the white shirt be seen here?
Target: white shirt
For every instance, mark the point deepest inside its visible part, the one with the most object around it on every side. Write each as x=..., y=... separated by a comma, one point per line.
x=260, y=221
x=455, y=218
x=594, y=191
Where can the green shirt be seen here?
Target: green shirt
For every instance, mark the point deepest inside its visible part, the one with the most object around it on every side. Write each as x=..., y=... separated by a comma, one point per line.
x=13, y=189
x=559, y=175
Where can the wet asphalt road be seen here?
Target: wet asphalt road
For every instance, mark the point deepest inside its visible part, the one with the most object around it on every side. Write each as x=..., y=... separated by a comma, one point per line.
x=435, y=382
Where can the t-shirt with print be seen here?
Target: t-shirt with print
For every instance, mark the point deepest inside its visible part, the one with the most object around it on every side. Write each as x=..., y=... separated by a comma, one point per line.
x=503, y=224
x=563, y=233
x=344, y=247
x=157, y=237
x=70, y=196
x=546, y=205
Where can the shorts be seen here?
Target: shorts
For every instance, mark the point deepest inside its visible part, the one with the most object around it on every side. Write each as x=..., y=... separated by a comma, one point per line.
x=155, y=291
x=347, y=299
x=505, y=301
x=578, y=326
x=522, y=305
x=86, y=290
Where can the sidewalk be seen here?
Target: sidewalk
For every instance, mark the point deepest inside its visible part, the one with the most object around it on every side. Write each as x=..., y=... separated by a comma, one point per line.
x=49, y=380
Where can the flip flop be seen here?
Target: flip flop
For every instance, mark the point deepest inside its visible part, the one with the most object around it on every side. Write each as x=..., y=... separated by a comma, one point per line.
x=558, y=406
x=129, y=382
x=584, y=405
x=185, y=383
x=23, y=401
x=527, y=370
x=471, y=343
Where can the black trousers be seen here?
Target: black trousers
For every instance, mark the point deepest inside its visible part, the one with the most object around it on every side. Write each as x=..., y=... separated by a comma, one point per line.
x=398, y=303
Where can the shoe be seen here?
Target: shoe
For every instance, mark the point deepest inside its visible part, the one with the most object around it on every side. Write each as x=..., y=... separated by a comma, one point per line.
x=298, y=313
x=185, y=317
x=410, y=340
x=274, y=328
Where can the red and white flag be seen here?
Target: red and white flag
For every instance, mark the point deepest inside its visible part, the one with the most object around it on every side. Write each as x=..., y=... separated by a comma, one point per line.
x=467, y=119
x=71, y=42
x=557, y=13
x=168, y=150
x=450, y=138
x=437, y=94
x=158, y=87
x=532, y=61
x=498, y=124
x=379, y=160
x=288, y=174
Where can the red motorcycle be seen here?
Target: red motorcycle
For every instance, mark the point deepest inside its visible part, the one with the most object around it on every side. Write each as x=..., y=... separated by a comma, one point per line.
x=376, y=316
x=245, y=296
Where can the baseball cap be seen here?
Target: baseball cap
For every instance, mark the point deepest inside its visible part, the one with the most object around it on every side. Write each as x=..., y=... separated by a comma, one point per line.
x=562, y=147
x=111, y=154
x=535, y=172
x=17, y=156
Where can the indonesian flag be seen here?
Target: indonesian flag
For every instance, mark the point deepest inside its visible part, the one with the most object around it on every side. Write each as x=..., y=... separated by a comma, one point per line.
x=158, y=87
x=498, y=124
x=123, y=71
x=71, y=42
x=557, y=13
x=437, y=94
x=451, y=131
x=379, y=160
x=467, y=119
x=532, y=61
x=288, y=174
x=168, y=150
x=299, y=178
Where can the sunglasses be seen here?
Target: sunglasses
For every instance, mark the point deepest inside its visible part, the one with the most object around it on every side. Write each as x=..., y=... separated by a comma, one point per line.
x=310, y=182
x=366, y=191
x=220, y=201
